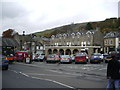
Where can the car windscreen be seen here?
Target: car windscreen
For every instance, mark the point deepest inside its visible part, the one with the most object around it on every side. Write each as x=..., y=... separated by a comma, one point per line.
x=65, y=56
x=80, y=55
x=96, y=56
x=51, y=56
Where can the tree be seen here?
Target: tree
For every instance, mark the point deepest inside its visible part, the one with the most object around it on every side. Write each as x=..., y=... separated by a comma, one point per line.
x=89, y=26
x=7, y=33
x=10, y=33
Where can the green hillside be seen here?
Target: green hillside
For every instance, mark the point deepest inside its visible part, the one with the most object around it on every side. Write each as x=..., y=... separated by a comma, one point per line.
x=105, y=26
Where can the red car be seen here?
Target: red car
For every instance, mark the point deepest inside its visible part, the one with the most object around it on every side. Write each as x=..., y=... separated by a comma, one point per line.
x=81, y=58
x=21, y=56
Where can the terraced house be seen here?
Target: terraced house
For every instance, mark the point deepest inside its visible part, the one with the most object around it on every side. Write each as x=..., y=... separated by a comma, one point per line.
x=112, y=42
x=71, y=43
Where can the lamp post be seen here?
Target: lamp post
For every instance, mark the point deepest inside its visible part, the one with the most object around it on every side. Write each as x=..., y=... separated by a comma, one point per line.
x=31, y=37
x=22, y=41
x=20, y=44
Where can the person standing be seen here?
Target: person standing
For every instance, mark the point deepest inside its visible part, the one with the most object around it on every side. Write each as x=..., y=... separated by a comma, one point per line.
x=113, y=74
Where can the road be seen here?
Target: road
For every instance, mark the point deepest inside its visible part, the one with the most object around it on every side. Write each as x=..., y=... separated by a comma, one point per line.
x=43, y=75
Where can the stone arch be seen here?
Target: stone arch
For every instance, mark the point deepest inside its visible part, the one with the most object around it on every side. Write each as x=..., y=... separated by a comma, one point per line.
x=75, y=51
x=68, y=52
x=55, y=51
x=61, y=52
x=50, y=51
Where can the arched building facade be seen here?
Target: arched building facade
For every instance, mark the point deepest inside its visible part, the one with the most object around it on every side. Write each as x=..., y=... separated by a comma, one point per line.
x=72, y=43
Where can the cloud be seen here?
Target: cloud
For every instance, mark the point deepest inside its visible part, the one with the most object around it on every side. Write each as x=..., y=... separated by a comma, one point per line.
x=12, y=10
x=37, y=15
x=119, y=9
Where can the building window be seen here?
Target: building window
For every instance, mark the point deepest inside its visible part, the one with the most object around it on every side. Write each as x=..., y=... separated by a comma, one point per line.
x=38, y=47
x=52, y=37
x=64, y=35
x=60, y=36
x=67, y=43
x=106, y=42
x=73, y=35
x=110, y=42
x=84, y=43
x=88, y=43
x=70, y=44
x=78, y=35
x=81, y=43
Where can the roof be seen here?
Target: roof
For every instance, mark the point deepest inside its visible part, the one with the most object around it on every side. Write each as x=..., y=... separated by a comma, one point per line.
x=112, y=35
x=9, y=42
x=42, y=38
x=82, y=32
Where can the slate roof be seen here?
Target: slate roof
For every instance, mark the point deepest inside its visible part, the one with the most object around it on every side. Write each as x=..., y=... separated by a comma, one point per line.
x=82, y=32
x=9, y=42
x=112, y=34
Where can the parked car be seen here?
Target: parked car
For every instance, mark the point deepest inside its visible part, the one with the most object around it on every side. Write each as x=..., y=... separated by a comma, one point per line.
x=95, y=59
x=53, y=58
x=21, y=56
x=81, y=58
x=4, y=63
x=36, y=57
x=107, y=58
x=65, y=59
x=105, y=55
x=101, y=56
x=41, y=58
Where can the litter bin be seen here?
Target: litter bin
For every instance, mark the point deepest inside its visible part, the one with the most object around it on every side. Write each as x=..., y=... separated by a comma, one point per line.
x=27, y=61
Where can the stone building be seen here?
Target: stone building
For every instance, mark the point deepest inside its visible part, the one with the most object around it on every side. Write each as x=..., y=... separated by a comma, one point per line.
x=112, y=42
x=34, y=44
x=11, y=38
x=71, y=43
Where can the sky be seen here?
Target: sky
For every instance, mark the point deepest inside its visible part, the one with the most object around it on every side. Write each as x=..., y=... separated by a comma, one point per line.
x=38, y=15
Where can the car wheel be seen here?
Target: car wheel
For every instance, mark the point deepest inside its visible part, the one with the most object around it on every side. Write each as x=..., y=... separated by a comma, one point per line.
x=105, y=61
x=75, y=62
x=6, y=68
x=91, y=62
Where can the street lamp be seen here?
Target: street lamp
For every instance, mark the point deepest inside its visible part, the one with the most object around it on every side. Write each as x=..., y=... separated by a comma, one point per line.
x=22, y=41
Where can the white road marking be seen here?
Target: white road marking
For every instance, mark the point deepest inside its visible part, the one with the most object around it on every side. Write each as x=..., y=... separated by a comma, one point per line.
x=44, y=79
x=13, y=71
x=49, y=75
x=55, y=71
x=54, y=82
x=24, y=74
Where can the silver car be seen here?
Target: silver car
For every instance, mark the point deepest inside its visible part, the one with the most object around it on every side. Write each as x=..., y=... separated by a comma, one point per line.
x=65, y=59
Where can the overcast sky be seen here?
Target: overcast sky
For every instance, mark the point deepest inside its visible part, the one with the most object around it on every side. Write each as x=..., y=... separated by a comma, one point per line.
x=38, y=15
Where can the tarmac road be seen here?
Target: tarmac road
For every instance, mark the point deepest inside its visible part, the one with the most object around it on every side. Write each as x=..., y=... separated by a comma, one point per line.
x=43, y=75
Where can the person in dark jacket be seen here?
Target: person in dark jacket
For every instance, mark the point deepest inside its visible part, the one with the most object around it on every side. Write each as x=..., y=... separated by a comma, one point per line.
x=113, y=73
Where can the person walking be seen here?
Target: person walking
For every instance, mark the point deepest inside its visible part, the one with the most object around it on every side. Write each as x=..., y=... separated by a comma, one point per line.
x=113, y=74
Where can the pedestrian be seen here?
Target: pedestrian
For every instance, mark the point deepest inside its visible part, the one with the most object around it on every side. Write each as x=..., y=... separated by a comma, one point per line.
x=113, y=74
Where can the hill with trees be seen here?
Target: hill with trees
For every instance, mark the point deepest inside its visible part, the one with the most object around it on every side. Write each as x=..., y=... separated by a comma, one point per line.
x=110, y=24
